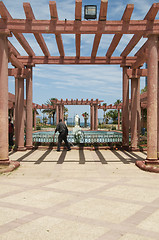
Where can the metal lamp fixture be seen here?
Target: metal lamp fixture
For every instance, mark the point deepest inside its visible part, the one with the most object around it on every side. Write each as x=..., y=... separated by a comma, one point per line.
x=90, y=12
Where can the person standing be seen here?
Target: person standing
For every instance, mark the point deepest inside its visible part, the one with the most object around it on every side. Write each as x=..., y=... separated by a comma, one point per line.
x=63, y=132
x=11, y=133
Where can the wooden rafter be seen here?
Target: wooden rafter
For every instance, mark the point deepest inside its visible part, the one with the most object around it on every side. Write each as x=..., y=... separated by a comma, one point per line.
x=15, y=62
x=78, y=14
x=19, y=36
x=38, y=36
x=54, y=16
x=12, y=49
x=73, y=60
x=135, y=73
x=150, y=16
x=102, y=17
x=116, y=39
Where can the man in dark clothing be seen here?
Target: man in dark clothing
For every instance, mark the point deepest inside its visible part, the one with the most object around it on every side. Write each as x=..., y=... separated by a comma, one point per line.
x=63, y=132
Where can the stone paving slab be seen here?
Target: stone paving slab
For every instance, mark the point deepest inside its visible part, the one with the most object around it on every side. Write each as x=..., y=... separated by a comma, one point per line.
x=79, y=195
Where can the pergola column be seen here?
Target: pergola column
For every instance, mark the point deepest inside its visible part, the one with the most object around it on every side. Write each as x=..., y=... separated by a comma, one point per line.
x=92, y=117
x=138, y=110
x=29, y=118
x=152, y=99
x=34, y=117
x=125, y=110
x=20, y=115
x=118, y=119
x=96, y=117
x=57, y=114
x=134, y=114
x=3, y=99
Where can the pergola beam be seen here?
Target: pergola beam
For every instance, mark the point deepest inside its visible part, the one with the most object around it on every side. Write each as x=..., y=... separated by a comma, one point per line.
x=73, y=60
x=38, y=36
x=13, y=49
x=78, y=15
x=135, y=73
x=102, y=17
x=19, y=36
x=54, y=16
x=80, y=27
x=15, y=62
x=116, y=39
x=150, y=16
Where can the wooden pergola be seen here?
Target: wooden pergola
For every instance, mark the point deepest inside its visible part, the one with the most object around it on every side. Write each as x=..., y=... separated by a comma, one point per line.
x=22, y=65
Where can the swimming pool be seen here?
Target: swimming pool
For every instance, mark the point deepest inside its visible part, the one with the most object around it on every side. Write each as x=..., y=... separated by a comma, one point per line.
x=80, y=137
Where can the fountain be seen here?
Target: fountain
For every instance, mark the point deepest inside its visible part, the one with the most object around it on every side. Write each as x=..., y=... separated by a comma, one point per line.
x=77, y=132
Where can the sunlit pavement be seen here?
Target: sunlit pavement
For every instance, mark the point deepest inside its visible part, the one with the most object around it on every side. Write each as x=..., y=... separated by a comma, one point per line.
x=79, y=195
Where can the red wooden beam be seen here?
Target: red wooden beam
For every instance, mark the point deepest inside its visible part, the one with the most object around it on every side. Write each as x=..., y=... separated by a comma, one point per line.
x=38, y=36
x=12, y=49
x=54, y=16
x=78, y=14
x=80, y=27
x=23, y=72
x=19, y=36
x=150, y=16
x=136, y=73
x=116, y=39
x=102, y=17
x=73, y=60
x=15, y=62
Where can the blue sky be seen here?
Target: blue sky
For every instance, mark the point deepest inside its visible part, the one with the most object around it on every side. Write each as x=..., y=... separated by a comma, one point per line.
x=77, y=81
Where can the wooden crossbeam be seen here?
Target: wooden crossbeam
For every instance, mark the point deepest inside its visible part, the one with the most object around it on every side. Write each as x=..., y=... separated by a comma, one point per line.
x=150, y=16
x=54, y=16
x=38, y=36
x=128, y=61
x=19, y=36
x=23, y=72
x=13, y=49
x=102, y=17
x=83, y=27
x=78, y=16
x=135, y=73
x=15, y=62
x=116, y=39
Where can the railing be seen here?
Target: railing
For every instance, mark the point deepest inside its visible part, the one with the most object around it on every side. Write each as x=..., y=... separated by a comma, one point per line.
x=83, y=138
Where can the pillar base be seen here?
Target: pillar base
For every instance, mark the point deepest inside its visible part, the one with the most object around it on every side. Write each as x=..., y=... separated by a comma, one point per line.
x=126, y=148
x=8, y=166
x=29, y=147
x=152, y=162
x=134, y=149
x=5, y=162
x=21, y=149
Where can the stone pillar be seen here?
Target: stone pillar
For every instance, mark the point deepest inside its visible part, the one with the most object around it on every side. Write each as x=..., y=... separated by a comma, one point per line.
x=16, y=112
x=96, y=117
x=118, y=119
x=152, y=99
x=92, y=128
x=125, y=110
x=57, y=114
x=138, y=111
x=29, y=111
x=34, y=116
x=20, y=130
x=158, y=116
x=134, y=137
x=3, y=99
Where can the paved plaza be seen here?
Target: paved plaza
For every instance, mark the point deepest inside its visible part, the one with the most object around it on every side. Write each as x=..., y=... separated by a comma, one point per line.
x=79, y=195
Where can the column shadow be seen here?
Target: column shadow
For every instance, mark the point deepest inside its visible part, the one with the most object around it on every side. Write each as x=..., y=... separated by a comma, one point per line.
x=101, y=157
x=62, y=157
x=120, y=157
x=25, y=155
x=82, y=158
x=41, y=159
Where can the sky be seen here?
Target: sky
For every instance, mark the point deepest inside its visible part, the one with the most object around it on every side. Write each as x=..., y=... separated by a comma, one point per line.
x=77, y=81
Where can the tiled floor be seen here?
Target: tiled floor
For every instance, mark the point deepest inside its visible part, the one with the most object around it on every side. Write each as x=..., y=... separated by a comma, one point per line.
x=79, y=195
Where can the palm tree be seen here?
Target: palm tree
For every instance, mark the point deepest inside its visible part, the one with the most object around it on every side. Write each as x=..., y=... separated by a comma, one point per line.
x=65, y=113
x=113, y=114
x=85, y=115
x=118, y=101
x=50, y=112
